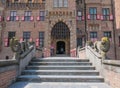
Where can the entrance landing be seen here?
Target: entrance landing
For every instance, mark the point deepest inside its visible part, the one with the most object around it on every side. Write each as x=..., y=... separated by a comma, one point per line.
x=61, y=55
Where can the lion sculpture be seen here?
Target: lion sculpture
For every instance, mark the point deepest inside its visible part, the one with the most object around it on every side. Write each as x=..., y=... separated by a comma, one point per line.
x=102, y=46
x=19, y=47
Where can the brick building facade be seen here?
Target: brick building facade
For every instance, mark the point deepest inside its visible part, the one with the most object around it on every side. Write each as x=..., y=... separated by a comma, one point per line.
x=58, y=25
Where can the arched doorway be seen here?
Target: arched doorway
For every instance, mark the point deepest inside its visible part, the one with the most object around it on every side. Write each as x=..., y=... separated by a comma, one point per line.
x=60, y=38
x=60, y=47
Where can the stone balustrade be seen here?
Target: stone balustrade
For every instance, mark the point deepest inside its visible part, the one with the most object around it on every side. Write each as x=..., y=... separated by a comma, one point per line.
x=11, y=69
x=25, y=5
x=109, y=69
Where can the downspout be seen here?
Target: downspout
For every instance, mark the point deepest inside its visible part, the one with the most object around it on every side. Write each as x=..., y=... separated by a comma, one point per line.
x=114, y=27
x=85, y=22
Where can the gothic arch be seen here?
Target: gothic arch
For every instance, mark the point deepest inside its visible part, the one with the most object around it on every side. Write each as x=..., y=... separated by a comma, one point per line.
x=60, y=20
x=60, y=31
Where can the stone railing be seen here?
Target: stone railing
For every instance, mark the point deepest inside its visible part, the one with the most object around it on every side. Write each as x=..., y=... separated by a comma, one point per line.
x=46, y=52
x=81, y=53
x=11, y=69
x=73, y=52
x=109, y=69
x=25, y=5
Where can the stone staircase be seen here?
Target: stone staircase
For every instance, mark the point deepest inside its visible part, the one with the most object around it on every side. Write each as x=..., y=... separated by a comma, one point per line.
x=60, y=69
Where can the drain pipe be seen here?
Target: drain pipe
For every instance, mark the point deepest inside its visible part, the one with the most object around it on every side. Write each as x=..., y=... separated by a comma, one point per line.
x=85, y=22
x=114, y=27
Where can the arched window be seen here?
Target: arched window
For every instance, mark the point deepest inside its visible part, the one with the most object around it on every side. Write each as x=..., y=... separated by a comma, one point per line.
x=60, y=31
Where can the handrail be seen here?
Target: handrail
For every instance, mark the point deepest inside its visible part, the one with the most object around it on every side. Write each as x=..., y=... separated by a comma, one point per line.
x=95, y=53
x=8, y=63
x=83, y=48
x=80, y=50
x=112, y=62
x=15, y=61
x=104, y=61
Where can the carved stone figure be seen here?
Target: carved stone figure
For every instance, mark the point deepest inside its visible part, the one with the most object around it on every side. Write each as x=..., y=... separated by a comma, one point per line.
x=19, y=48
x=14, y=44
x=16, y=47
x=102, y=46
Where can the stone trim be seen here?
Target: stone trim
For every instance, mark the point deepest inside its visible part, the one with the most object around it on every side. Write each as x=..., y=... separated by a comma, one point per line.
x=4, y=63
x=8, y=68
x=112, y=62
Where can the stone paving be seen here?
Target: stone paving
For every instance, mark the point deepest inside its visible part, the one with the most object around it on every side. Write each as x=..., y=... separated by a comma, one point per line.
x=59, y=85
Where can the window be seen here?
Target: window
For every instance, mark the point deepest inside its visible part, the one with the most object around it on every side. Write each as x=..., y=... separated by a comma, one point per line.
x=55, y=3
x=16, y=1
x=108, y=34
x=79, y=42
x=27, y=15
x=13, y=15
x=29, y=1
x=60, y=3
x=78, y=31
x=79, y=14
x=65, y=3
x=78, y=1
x=10, y=35
x=106, y=13
x=41, y=39
x=26, y=36
x=3, y=1
x=42, y=15
x=60, y=31
x=93, y=13
x=93, y=34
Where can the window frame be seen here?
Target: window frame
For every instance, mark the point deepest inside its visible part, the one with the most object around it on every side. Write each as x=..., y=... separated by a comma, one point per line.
x=94, y=34
x=16, y=1
x=107, y=13
x=26, y=35
x=11, y=34
x=79, y=16
x=42, y=15
x=13, y=15
x=41, y=38
x=93, y=13
x=60, y=3
x=30, y=1
x=107, y=34
x=65, y=4
x=27, y=15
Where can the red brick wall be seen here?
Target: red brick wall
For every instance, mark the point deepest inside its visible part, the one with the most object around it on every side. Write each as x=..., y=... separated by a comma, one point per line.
x=117, y=13
x=7, y=77
x=117, y=25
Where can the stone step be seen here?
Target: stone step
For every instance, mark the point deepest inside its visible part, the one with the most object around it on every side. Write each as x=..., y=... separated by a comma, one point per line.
x=63, y=78
x=60, y=67
x=59, y=85
x=60, y=60
x=60, y=72
x=60, y=63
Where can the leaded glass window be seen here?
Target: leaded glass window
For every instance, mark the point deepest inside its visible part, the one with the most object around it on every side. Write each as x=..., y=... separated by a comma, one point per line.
x=93, y=13
x=60, y=31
